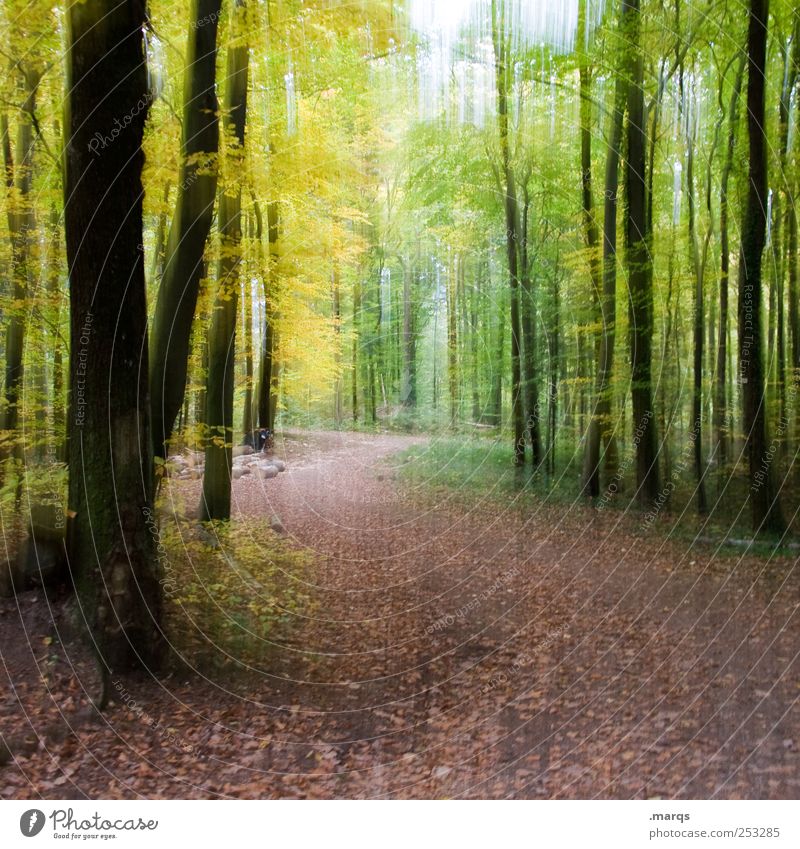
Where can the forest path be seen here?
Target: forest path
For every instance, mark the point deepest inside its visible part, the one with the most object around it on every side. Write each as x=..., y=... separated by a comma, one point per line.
x=458, y=649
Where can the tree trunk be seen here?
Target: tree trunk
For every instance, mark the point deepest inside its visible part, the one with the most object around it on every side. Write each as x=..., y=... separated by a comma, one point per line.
x=453, y=273
x=497, y=365
x=247, y=413
x=22, y=228
x=337, y=329
x=110, y=543
x=267, y=369
x=356, y=339
x=216, y=503
x=721, y=424
x=191, y=223
x=601, y=426
x=527, y=319
x=591, y=237
x=511, y=219
x=638, y=244
x=408, y=393
x=767, y=514
x=696, y=432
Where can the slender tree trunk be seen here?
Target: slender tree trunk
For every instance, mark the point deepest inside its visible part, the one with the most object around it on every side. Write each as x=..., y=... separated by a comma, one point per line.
x=552, y=389
x=356, y=338
x=497, y=364
x=721, y=423
x=55, y=297
x=602, y=426
x=475, y=296
x=783, y=194
x=22, y=226
x=767, y=514
x=110, y=544
x=696, y=432
x=267, y=368
x=216, y=503
x=408, y=393
x=527, y=309
x=512, y=219
x=591, y=237
x=337, y=329
x=190, y=226
x=247, y=413
x=792, y=257
x=453, y=274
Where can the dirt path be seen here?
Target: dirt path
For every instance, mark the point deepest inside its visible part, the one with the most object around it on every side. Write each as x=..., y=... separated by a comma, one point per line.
x=470, y=651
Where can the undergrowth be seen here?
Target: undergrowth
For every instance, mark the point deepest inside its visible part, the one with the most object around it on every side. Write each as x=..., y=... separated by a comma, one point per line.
x=232, y=591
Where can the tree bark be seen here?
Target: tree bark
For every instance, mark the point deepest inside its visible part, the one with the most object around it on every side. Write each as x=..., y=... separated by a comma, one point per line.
x=767, y=514
x=22, y=228
x=216, y=502
x=512, y=223
x=638, y=245
x=190, y=226
x=110, y=544
x=408, y=393
x=601, y=426
x=696, y=431
x=721, y=424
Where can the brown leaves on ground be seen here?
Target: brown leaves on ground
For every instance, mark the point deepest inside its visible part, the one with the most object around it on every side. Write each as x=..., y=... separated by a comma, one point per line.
x=437, y=650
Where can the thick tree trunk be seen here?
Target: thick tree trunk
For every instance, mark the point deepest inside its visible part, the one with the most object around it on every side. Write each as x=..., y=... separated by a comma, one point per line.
x=191, y=223
x=638, y=243
x=763, y=494
x=110, y=544
x=216, y=502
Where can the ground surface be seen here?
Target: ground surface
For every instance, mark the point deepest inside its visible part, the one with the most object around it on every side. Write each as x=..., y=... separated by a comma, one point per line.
x=459, y=648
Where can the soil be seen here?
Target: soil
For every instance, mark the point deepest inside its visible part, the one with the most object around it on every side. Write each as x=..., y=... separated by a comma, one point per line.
x=455, y=648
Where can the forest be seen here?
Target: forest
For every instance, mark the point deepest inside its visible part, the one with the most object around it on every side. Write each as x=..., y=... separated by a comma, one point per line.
x=399, y=398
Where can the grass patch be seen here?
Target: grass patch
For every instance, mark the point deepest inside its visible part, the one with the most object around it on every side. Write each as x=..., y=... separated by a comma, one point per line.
x=463, y=469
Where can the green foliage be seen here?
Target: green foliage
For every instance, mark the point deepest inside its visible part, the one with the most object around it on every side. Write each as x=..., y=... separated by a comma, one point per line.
x=232, y=591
